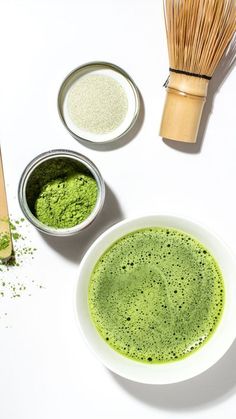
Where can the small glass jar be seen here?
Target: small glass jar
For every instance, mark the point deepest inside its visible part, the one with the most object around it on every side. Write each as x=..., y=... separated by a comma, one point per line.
x=75, y=157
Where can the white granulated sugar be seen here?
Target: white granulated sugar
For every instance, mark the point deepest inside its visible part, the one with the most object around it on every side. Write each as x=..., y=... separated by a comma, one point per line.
x=97, y=103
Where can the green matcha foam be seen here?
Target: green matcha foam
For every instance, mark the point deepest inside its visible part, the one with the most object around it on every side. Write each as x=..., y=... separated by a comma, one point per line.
x=156, y=295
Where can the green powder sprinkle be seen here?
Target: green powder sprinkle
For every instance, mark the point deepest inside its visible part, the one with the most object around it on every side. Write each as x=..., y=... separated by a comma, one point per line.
x=13, y=227
x=97, y=103
x=23, y=252
x=61, y=193
x=15, y=279
x=4, y=241
x=16, y=236
x=18, y=251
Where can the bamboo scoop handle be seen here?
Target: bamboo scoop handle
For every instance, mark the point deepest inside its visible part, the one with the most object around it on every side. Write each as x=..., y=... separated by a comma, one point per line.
x=5, y=231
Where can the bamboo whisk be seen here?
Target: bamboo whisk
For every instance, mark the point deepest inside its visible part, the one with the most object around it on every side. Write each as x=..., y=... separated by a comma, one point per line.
x=198, y=33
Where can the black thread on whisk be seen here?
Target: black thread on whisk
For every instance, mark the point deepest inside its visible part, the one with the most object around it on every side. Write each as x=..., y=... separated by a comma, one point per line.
x=166, y=82
x=187, y=73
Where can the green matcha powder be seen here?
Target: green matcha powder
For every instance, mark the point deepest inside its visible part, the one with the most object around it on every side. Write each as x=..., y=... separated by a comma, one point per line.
x=4, y=241
x=61, y=193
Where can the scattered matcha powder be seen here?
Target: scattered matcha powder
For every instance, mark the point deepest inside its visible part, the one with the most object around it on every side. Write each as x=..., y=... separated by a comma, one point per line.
x=4, y=241
x=11, y=286
x=61, y=193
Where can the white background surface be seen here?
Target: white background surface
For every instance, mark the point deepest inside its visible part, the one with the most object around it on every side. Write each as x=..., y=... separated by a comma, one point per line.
x=46, y=370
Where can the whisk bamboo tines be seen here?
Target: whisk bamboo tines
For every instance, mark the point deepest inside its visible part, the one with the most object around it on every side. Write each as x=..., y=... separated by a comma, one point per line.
x=198, y=33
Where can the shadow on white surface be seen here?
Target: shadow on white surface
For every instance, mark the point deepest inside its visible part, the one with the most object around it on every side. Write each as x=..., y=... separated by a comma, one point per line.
x=212, y=387
x=222, y=72
x=121, y=142
x=73, y=248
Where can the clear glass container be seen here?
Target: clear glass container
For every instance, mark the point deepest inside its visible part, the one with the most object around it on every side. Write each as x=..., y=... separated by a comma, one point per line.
x=75, y=157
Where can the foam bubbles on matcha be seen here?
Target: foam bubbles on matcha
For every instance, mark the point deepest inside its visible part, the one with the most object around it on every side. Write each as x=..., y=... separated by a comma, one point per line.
x=156, y=295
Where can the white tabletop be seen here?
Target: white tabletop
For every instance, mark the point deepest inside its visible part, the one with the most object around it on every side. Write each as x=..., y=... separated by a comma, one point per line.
x=46, y=369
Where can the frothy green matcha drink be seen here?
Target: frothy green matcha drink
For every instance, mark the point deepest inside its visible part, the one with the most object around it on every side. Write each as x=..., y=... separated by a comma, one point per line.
x=156, y=295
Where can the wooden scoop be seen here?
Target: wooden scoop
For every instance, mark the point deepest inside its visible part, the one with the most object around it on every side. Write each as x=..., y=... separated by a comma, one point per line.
x=5, y=230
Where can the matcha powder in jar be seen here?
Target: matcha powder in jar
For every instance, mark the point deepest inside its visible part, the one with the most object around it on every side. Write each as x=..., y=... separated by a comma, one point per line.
x=61, y=193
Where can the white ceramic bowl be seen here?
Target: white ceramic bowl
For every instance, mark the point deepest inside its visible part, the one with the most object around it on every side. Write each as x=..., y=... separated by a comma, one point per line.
x=197, y=362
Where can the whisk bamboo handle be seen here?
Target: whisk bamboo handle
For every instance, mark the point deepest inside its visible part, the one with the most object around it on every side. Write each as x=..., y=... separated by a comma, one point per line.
x=185, y=99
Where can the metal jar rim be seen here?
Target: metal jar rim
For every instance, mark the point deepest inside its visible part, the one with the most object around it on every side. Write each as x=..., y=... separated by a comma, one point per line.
x=29, y=170
x=111, y=66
